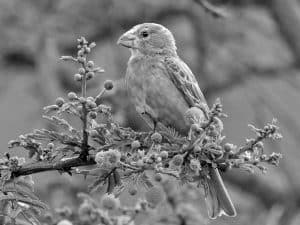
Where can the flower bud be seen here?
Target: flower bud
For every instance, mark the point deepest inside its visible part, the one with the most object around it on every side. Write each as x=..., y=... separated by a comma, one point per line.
x=135, y=144
x=195, y=165
x=156, y=137
x=50, y=145
x=80, y=54
x=177, y=160
x=81, y=71
x=228, y=147
x=164, y=154
x=99, y=158
x=90, y=75
x=112, y=157
x=90, y=64
x=81, y=59
x=108, y=85
x=59, y=102
x=132, y=191
x=82, y=100
x=158, y=177
x=72, y=96
x=77, y=77
x=91, y=104
x=110, y=202
x=93, y=115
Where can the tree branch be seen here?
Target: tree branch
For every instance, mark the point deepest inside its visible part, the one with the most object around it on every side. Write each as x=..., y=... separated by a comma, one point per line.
x=285, y=13
x=62, y=165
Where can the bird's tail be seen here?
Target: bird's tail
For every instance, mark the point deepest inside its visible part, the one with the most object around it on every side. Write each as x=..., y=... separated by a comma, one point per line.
x=217, y=199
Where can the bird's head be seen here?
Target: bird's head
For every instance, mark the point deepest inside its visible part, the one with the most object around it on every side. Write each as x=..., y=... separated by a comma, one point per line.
x=149, y=39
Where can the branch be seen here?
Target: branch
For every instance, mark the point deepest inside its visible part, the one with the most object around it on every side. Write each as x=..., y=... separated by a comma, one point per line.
x=285, y=13
x=208, y=7
x=64, y=166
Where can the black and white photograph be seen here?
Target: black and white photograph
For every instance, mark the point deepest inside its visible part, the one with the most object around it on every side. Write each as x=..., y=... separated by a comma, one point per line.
x=149, y=112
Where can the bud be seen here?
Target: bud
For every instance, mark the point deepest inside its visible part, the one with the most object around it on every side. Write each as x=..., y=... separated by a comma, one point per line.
x=99, y=158
x=85, y=210
x=81, y=71
x=164, y=154
x=158, y=177
x=132, y=191
x=195, y=165
x=112, y=157
x=93, y=115
x=156, y=137
x=81, y=59
x=135, y=144
x=90, y=75
x=177, y=160
x=59, y=102
x=72, y=96
x=110, y=202
x=90, y=64
x=50, y=145
x=196, y=128
x=90, y=98
x=80, y=53
x=77, y=77
x=91, y=104
x=87, y=50
x=259, y=145
x=194, y=115
x=92, y=45
x=108, y=85
x=82, y=100
x=228, y=147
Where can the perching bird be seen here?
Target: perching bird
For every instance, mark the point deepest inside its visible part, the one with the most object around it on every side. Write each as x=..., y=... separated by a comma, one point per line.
x=153, y=79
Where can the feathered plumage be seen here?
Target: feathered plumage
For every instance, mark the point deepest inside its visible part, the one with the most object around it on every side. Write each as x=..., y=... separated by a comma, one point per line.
x=163, y=88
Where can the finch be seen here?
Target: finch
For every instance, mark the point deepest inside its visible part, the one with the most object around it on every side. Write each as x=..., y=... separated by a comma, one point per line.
x=163, y=88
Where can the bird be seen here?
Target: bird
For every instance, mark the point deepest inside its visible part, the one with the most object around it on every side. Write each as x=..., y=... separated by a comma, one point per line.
x=163, y=88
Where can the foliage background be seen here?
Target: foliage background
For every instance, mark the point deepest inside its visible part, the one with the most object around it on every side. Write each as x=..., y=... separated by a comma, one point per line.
x=250, y=60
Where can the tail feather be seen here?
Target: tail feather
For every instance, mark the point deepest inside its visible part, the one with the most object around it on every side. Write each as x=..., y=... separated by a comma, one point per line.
x=217, y=198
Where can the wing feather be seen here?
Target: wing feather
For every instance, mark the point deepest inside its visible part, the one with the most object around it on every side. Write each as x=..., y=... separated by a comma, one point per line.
x=185, y=81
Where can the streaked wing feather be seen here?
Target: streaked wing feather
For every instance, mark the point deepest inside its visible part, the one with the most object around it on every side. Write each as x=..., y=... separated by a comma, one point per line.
x=185, y=81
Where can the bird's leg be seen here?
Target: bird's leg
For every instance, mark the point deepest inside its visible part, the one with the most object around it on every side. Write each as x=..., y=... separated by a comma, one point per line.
x=152, y=121
x=154, y=126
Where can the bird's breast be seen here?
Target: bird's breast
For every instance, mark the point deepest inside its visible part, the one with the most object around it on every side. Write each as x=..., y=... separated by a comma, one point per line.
x=151, y=89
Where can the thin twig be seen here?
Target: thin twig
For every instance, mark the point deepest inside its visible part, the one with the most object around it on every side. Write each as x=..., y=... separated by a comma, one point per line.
x=214, y=11
x=85, y=149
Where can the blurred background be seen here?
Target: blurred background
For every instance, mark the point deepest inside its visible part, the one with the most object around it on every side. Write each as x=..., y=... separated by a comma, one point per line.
x=250, y=60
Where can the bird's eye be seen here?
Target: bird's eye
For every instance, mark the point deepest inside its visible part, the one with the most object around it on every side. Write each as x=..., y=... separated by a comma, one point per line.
x=144, y=34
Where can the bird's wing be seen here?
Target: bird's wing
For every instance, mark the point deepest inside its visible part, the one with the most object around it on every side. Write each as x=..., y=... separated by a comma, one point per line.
x=185, y=81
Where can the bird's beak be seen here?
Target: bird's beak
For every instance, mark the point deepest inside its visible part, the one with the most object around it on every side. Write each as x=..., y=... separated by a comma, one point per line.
x=127, y=40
